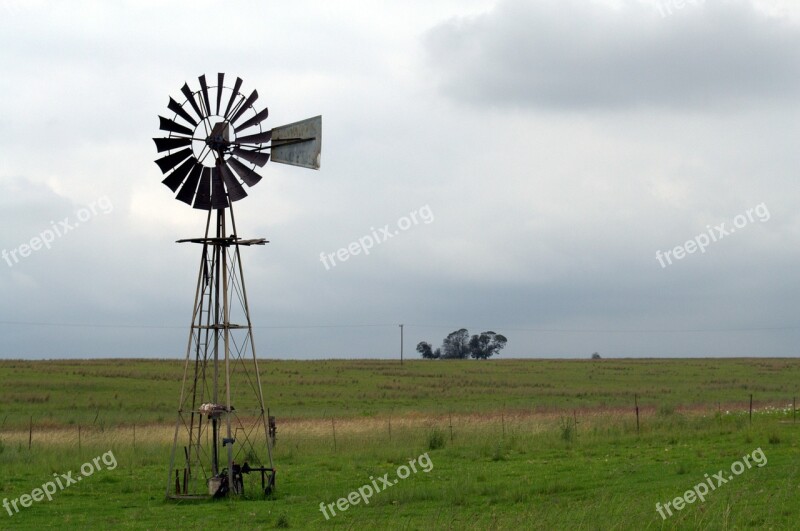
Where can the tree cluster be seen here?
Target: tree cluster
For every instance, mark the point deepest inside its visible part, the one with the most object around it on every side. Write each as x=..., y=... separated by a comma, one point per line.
x=459, y=345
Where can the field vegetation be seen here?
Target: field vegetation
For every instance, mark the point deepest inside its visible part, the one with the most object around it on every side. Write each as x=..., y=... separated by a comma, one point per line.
x=515, y=444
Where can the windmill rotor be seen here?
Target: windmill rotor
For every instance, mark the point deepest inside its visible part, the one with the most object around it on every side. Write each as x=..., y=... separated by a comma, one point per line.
x=209, y=154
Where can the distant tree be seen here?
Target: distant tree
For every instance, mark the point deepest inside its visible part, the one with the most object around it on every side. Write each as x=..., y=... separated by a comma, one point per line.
x=596, y=356
x=427, y=352
x=459, y=345
x=456, y=345
x=486, y=345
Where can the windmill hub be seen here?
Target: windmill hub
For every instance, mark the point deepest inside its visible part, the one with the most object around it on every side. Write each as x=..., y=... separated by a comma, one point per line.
x=219, y=139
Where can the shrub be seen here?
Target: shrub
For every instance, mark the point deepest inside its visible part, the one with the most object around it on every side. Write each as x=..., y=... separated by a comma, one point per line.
x=435, y=439
x=567, y=429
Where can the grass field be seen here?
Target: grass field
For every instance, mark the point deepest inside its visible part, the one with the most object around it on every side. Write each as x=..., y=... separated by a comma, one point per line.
x=513, y=459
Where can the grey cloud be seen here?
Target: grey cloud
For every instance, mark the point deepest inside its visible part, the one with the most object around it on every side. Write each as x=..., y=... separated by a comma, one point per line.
x=579, y=54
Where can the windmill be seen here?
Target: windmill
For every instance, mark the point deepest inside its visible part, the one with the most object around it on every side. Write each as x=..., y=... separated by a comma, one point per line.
x=216, y=141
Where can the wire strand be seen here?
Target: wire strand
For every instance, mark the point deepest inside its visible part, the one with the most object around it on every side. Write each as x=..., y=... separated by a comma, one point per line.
x=394, y=325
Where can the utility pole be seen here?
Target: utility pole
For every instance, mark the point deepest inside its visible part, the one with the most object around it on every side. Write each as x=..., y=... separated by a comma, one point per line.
x=401, y=344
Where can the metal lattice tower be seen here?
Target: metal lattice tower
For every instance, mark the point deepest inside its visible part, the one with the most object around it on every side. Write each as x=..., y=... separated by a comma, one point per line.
x=223, y=431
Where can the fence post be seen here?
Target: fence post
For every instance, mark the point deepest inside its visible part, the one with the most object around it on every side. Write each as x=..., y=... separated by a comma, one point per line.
x=575, y=419
x=450, y=414
x=636, y=403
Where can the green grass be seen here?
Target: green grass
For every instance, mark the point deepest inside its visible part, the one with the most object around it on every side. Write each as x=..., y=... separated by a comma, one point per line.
x=606, y=477
x=132, y=391
x=518, y=463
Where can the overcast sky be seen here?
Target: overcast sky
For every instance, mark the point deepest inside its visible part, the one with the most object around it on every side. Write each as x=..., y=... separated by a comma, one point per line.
x=550, y=148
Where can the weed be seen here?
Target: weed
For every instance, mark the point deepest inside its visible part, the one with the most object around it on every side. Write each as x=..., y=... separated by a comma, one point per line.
x=436, y=439
x=567, y=428
x=666, y=410
x=497, y=454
